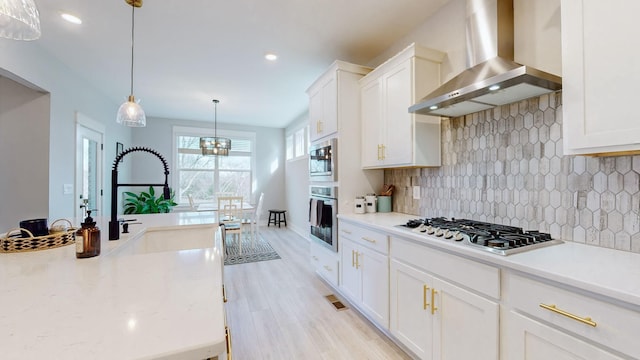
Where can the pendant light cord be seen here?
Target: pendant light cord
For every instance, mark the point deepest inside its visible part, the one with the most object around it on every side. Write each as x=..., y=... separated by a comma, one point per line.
x=215, y=121
x=133, y=9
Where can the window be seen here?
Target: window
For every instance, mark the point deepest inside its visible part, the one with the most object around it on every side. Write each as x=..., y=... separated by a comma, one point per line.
x=297, y=143
x=289, y=147
x=300, y=143
x=203, y=176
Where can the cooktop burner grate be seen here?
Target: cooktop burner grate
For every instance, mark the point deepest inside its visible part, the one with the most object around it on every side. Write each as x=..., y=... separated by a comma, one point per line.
x=495, y=238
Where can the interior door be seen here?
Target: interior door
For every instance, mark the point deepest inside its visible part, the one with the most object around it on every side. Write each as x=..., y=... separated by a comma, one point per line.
x=89, y=155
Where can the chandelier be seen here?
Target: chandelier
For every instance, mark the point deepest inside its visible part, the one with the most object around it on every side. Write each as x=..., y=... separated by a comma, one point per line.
x=215, y=145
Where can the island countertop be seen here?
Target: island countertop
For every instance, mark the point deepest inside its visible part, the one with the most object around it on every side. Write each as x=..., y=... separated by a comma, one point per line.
x=116, y=306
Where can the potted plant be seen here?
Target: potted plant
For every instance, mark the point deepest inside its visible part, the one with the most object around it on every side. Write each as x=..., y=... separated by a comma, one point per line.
x=148, y=203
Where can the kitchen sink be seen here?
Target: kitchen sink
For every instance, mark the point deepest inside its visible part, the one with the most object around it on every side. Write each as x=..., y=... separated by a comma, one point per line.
x=154, y=240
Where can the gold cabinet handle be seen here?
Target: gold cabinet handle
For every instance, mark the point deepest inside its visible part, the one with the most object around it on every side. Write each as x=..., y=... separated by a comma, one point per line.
x=227, y=334
x=357, y=260
x=346, y=231
x=584, y=320
x=320, y=126
x=433, y=301
x=369, y=240
x=379, y=156
x=425, y=305
x=384, y=152
x=327, y=268
x=224, y=294
x=353, y=257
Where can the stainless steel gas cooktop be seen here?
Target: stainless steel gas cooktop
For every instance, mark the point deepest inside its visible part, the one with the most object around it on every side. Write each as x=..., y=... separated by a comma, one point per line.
x=495, y=238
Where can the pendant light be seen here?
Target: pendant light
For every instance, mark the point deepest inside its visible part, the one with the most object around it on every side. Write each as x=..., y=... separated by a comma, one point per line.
x=130, y=112
x=19, y=20
x=215, y=145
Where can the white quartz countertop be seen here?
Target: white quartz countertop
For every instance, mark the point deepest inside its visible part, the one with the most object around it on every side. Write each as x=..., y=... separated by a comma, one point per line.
x=117, y=305
x=606, y=272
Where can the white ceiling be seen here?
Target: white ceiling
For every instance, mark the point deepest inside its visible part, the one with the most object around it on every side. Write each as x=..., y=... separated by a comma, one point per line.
x=190, y=52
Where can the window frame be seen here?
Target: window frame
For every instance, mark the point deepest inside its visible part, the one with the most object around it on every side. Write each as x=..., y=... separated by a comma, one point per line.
x=204, y=132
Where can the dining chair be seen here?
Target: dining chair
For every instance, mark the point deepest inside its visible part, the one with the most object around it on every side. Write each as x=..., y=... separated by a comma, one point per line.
x=230, y=215
x=255, y=219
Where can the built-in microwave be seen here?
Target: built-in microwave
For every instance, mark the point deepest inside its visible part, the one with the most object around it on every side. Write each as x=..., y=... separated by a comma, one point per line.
x=322, y=161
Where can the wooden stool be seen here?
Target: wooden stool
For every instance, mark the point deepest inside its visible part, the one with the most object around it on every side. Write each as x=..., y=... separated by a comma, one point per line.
x=276, y=217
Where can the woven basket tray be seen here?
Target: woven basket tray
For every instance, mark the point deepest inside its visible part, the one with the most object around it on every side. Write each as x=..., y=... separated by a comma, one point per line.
x=15, y=243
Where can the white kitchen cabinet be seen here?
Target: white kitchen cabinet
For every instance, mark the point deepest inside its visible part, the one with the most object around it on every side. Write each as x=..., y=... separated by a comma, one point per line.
x=325, y=262
x=599, y=76
x=391, y=136
x=435, y=317
x=365, y=271
x=545, y=321
x=531, y=340
x=331, y=98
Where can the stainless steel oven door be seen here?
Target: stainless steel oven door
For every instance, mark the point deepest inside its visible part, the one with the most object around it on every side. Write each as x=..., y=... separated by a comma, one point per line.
x=323, y=222
x=322, y=161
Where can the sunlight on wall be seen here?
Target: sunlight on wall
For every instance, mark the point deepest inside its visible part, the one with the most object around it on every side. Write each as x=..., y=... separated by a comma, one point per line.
x=274, y=166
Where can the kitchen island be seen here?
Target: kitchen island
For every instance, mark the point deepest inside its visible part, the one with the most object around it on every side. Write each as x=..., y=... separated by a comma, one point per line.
x=131, y=302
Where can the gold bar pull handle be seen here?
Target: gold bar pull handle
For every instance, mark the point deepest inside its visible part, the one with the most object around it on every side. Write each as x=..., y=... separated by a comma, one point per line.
x=425, y=305
x=384, y=152
x=227, y=334
x=584, y=320
x=346, y=231
x=357, y=260
x=369, y=240
x=379, y=152
x=353, y=258
x=224, y=294
x=433, y=301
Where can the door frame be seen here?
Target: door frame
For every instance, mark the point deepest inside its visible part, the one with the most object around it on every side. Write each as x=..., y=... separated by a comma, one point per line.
x=95, y=126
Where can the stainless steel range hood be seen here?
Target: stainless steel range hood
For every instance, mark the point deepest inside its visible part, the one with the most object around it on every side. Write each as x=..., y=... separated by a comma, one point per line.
x=492, y=77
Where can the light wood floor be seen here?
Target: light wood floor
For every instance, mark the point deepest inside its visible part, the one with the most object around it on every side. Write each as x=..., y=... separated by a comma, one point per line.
x=277, y=310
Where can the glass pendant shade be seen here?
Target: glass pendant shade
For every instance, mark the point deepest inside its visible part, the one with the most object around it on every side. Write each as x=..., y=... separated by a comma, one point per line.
x=215, y=145
x=19, y=20
x=131, y=114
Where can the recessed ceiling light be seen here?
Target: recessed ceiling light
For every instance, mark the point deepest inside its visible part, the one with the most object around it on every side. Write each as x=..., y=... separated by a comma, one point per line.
x=271, y=56
x=71, y=18
x=494, y=87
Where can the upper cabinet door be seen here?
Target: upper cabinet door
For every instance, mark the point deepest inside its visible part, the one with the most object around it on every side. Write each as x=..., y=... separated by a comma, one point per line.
x=371, y=123
x=600, y=72
x=397, y=97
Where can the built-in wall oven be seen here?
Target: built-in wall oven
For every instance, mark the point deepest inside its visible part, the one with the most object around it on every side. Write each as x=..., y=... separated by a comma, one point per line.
x=323, y=208
x=322, y=161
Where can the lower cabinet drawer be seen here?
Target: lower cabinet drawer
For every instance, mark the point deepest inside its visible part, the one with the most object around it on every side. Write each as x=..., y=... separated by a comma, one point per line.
x=325, y=262
x=602, y=322
x=370, y=238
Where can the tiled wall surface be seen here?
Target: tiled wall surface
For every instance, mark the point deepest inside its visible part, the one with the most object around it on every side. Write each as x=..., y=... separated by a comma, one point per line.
x=505, y=165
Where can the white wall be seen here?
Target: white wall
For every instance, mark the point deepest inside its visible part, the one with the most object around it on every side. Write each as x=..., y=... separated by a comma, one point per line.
x=29, y=64
x=24, y=148
x=269, y=174
x=297, y=184
x=537, y=36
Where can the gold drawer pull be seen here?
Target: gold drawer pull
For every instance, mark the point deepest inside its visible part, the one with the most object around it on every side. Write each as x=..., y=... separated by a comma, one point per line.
x=585, y=320
x=227, y=334
x=424, y=297
x=357, y=260
x=346, y=231
x=369, y=240
x=224, y=294
x=353, y=258
x=327, y=268
x=433, y=301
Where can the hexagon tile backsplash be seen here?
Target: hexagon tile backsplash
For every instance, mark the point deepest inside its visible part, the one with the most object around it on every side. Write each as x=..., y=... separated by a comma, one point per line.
x=505, y=165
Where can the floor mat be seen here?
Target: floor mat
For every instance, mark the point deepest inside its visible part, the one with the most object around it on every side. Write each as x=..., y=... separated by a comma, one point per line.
x=260, y=250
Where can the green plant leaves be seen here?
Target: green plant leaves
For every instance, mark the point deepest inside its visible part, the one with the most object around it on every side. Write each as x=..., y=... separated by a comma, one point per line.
x=147, y=203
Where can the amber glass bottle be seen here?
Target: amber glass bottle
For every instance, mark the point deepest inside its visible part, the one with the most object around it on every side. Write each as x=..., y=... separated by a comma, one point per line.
x=88, y=239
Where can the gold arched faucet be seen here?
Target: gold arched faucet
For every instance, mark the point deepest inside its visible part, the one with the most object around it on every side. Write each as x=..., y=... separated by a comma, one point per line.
x=114, y=223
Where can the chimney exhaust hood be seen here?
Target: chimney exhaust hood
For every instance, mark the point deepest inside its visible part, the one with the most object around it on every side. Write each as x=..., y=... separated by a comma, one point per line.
x=492, y=77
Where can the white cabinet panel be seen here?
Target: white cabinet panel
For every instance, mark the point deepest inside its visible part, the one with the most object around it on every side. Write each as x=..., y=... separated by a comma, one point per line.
x=391, y=136
x=599, y=76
